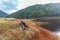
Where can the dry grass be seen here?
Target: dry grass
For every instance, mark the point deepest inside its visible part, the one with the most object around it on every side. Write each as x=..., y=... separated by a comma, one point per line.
x=15, y=34
x=10, y=30
x=51, y=18
x=41, y=23
x=58, y=38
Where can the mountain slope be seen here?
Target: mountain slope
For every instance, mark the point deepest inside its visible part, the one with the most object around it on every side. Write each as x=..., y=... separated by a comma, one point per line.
x=3, y=14
x=38, y=10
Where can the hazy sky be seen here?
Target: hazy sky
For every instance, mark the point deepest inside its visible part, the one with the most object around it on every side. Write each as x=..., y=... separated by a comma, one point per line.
x=10, y=6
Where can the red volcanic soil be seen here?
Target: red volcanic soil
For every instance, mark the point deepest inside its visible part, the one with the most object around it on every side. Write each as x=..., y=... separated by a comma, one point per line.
x=39, y=32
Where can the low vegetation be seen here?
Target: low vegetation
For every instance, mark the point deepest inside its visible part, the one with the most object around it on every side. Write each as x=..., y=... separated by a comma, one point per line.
x=10, y=30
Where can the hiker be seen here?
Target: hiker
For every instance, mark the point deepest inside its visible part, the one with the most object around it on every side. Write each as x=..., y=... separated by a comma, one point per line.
x=23, y=25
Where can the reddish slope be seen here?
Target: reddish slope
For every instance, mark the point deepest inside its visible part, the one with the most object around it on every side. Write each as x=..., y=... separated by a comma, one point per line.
x=40, y=33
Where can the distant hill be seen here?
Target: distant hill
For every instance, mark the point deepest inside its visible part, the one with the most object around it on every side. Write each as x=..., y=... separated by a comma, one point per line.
x=3, y=14
x=38, y=10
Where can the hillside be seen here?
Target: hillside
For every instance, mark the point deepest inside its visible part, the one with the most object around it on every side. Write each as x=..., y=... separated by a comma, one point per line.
x=38, y=10
x=3, y=14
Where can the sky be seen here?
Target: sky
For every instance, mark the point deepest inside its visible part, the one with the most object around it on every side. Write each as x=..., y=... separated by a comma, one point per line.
x=10, y=6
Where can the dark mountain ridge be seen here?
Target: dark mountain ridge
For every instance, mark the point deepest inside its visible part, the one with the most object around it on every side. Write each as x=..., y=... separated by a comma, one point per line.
x=3, y=14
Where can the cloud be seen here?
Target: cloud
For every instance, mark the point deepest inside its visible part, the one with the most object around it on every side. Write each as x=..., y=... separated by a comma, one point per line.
x=8, y=4
x=26, y=3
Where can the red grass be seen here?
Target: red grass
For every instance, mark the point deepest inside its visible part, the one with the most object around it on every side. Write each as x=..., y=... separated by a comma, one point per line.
x=41, y=34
